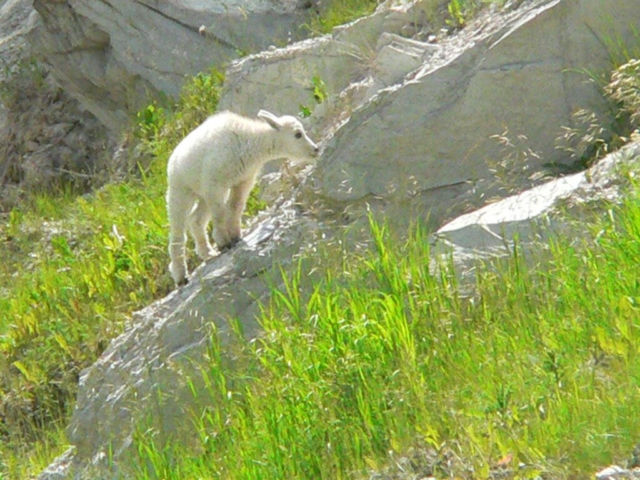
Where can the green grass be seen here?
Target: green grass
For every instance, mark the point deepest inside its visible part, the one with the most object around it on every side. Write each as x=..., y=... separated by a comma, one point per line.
x=72, y=271
x=339, y=12
x=385, y=355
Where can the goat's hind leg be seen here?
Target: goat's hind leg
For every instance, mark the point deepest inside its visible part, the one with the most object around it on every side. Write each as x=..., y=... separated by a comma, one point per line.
x=198, y=221
x=179, y=204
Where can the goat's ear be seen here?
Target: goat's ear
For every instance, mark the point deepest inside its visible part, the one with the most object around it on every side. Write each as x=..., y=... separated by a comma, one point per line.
x=270, y=118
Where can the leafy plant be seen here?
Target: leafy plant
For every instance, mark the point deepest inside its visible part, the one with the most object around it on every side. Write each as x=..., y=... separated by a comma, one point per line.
x=339, y=12
x=460, y=12
x=595, y=136
x=159, y=128
x=384, y=355
x=318, y=94
x=457, y=14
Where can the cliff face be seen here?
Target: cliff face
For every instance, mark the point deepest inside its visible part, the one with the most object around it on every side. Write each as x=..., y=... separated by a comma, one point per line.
x=113, y=55
x=45, y=136
x=74, y=73
x=422, y=116
x=407, y=127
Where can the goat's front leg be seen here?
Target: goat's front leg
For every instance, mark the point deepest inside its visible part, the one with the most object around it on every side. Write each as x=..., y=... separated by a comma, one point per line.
x=235, y=207
x=220, y=210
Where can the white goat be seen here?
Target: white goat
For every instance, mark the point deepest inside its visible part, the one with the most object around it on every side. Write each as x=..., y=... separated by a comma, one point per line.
x=212, y=171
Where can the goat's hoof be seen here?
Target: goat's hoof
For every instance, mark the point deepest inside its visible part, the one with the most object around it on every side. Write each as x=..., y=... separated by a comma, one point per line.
x=232, y=243
x=207, y=256
x=182, y=282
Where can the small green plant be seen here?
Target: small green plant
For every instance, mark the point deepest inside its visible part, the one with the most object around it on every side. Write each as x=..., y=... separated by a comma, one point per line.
x=319, y=89
x=595, y=136
x=319, y=94
x=460, y=12
x=160, y=126
x=339, y=12
x=150, y=121
x=457, y=14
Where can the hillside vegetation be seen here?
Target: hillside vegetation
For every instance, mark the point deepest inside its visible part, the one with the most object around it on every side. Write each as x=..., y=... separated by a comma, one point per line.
x=536, y=373
x=538, y=368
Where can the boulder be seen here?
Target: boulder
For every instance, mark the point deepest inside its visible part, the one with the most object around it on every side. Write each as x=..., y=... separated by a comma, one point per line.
x=525, y=75
x=146, y=377
x=535, y=215
x=425, y=119
x=45, y=138
x=283, y=79
x=114, y=55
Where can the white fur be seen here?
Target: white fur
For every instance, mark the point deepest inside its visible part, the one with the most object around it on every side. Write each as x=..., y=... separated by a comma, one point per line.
x=212, y=171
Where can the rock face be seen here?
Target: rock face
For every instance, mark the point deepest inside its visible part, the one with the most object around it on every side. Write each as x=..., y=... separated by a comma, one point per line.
x=534, y=215
x=45, y=138
x=112, y=55
x=431, y=128
x=407, y=124
x=17, y=19
x=161, y=355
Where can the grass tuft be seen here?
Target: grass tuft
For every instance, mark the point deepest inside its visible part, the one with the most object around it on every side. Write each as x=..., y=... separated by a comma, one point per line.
x=339, y=12
x=536, y=374
x=74, y=268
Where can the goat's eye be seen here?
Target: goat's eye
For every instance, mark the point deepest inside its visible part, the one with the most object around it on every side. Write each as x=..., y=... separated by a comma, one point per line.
x=298, y=135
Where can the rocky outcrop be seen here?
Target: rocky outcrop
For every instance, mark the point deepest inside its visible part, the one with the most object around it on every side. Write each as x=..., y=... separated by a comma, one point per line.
x=412, y=136
x=615, y=472
x=17, y=19
x=431, y=129
x=162, y=354
x=45, y=138
x=535, y=215
x=114, y=55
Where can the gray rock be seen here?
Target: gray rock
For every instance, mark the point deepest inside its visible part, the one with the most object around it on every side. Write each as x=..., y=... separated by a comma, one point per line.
x=519, y=72
x=533, y=216
x=431, y=127
x=45, y=139
x=282, y=79
x=59, y=468
x=615, y=472
x=113, y=55
x=17, y=19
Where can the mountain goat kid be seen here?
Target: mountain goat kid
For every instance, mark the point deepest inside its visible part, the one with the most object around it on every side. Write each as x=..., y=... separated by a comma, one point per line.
x=212, y=171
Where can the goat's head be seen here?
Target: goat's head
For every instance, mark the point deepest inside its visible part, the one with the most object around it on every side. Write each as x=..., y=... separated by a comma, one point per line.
x=293, y=140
